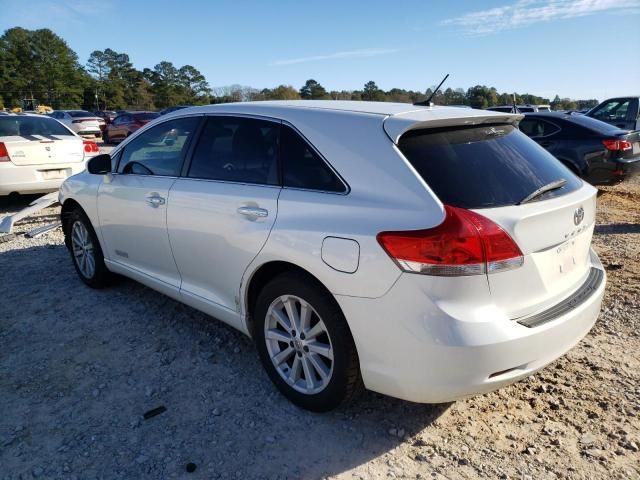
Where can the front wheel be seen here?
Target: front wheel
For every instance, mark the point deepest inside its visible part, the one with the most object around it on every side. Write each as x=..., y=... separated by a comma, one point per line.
x=305, y=344
x=85, y=250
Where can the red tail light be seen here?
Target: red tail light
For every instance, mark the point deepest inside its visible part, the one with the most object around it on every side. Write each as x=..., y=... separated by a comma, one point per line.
x=615, y=145
x=90, y=146
x=466, y=243
x=4, y=154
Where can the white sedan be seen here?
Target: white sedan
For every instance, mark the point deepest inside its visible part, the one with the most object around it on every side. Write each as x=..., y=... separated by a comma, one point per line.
x=80, y=121
x=38, y=153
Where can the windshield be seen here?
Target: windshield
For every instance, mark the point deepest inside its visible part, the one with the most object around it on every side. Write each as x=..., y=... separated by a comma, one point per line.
x=24, y=126
x=484, y=166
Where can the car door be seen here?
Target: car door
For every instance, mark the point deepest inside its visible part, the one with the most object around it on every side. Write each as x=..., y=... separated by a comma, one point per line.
x=132, y=202
x=222, y=210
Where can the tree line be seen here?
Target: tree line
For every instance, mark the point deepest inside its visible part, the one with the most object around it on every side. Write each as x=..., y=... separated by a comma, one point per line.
x=39, y=64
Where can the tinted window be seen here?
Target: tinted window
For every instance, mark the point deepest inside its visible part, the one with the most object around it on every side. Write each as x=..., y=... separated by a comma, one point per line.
x=159, y=150
x=534, y=127
x=237, y=150
x=25, y=126
x=302, y=167
x=526, y=109
x=145, y=116
x=482, y=167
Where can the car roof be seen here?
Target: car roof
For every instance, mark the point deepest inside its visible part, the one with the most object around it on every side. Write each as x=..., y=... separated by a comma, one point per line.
x=397, y=117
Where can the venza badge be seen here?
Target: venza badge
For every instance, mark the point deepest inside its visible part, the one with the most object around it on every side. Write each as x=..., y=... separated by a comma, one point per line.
x=578, y=216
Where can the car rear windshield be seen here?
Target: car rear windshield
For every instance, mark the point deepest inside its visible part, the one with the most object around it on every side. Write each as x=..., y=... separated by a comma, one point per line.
x=595, y=125
x=146, y=116
x=483, y=166
x=80, y=113
x=25, y=126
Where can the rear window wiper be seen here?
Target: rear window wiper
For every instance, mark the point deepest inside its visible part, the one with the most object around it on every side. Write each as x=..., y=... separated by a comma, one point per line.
x=556, y=184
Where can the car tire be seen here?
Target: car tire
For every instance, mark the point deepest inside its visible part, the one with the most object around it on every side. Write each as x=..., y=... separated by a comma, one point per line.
x=318, y=367
x=85, y=250
x=105, y=138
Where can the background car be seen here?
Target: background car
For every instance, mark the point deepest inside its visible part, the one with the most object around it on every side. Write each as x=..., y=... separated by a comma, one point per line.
x=106, y=115
x=38, y=153
x=520, y=108
x=80, y=121
x=127, y=123
x=623, y=112
x=595, y=150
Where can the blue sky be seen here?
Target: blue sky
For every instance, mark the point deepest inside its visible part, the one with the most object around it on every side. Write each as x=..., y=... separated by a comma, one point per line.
x=574, y=48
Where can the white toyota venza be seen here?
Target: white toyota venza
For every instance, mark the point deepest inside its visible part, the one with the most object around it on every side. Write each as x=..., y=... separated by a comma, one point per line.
x=427, y=253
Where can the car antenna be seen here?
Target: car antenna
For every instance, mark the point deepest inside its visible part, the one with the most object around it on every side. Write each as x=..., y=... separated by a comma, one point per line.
x=515, y=107
x=427, y=102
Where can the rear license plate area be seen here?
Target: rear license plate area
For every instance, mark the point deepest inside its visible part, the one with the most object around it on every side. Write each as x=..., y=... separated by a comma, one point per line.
x=54, y=174
x=566, y=256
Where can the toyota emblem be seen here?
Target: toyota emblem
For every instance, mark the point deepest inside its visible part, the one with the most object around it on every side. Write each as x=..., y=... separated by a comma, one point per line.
x=578, y=215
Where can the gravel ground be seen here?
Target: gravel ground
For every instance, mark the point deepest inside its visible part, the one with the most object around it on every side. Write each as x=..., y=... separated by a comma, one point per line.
x=80, y=367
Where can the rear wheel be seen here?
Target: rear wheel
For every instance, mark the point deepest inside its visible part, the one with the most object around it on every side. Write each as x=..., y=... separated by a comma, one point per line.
x=85, y=250
x=305, y=344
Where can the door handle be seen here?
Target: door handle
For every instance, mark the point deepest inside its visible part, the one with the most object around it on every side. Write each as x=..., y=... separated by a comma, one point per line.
x=253, y=212
x=155, y=200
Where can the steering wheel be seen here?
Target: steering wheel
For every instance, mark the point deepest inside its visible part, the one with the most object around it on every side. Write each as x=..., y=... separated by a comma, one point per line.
x=137, y=168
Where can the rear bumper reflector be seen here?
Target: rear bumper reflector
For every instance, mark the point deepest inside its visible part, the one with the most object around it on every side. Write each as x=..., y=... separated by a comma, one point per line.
x=574, y=300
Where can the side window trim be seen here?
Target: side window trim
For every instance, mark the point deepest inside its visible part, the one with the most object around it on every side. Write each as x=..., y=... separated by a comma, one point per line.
x=347, y=188
x=190, y=143
x=189, y=156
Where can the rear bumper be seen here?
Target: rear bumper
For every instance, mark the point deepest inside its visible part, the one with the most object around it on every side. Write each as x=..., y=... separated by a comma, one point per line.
x=412, y=349
x=32, y=178
x=629, y=166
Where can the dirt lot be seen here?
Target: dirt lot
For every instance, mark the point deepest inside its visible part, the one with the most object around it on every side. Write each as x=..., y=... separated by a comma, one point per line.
x=79, y=368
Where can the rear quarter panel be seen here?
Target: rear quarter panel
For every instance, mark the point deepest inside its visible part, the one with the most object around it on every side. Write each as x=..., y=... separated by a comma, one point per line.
x=384, y=194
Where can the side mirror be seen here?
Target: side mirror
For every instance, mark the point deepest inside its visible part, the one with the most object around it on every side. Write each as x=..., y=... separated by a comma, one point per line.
x=100, y=164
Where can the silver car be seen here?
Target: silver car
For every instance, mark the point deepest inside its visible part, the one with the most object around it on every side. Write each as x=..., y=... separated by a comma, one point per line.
x=428, y=253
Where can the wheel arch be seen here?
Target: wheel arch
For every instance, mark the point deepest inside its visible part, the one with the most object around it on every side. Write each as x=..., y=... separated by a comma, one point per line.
x=571, y=165
x=262, y=275
x=68, y=206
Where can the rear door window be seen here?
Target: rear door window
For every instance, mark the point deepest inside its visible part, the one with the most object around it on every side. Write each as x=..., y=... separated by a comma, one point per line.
x=302, y=167
x=237, y=149
x=536, y=128
x=483, y=166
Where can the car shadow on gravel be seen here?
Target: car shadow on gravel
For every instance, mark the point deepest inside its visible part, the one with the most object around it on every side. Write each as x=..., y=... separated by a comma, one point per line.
x=80, y=367
x=617, y=228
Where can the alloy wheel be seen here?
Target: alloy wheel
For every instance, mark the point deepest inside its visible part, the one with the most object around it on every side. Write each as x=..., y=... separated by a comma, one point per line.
x=83, y=249
x=298, y=344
